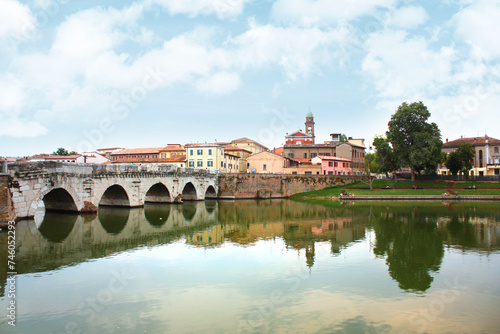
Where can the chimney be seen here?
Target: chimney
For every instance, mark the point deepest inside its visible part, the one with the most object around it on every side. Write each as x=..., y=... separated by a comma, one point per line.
x=446, y=139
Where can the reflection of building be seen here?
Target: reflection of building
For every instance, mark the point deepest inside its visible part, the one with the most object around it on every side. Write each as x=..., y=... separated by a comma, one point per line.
x=212, y=236
x=487, y=155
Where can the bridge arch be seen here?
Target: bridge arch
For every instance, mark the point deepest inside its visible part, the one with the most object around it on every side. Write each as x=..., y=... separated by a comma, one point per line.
x=115, y=195
x=59, y=199
x=210, y=192
x=158, y=193
x=189, y=192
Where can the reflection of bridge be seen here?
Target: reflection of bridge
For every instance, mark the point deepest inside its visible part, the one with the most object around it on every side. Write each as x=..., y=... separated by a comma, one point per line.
x=66, y=239
x=81, y=188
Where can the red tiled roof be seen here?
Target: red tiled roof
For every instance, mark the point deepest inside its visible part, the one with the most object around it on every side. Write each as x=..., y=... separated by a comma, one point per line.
x=172, y=149
x=203, y=145
x=148, y=150
x=334, y=158
x=475, y=141
x=231, y=148
x=74, y=156
x=298, y=134
x=301, y=160
x=278, y=150
x=109, y=149
x=176, y=158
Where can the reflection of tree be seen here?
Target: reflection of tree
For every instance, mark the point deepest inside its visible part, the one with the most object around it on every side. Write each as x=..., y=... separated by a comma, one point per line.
x=413, y=246
x=356, y=325
x=462, y=233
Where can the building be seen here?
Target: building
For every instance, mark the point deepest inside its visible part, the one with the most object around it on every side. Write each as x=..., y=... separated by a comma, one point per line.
x=249, y=145
x=171, y=150
x=241, y=153
x=92, y=158
x=333, y=165
x=304, y=169
x=136, y=153
x=211, y=156
x=269, y=163
x=487, y=155
x=106, y=152
x=302, y=138
x=63, y=158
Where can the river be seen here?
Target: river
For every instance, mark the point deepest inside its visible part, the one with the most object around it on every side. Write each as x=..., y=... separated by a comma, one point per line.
x=269, y=266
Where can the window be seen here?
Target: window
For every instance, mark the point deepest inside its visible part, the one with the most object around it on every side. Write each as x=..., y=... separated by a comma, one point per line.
x=210, y=163
x=336, y=164
x=222, y=164
x=308, y=173
x=210, y=151
x=497, y=161
x=264, y=167
x=191, y=163
x=299, y=142
x=330, y=164
x=191, y=152
x=305, y=155
x=290, y=155
x=330, y=173
x=199, y=152
x=497, y=171
x=313, y=155
x=199, y=163
x=294, y=173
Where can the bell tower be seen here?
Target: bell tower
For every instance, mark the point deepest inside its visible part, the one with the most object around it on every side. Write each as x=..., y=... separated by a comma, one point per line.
x=310, y=125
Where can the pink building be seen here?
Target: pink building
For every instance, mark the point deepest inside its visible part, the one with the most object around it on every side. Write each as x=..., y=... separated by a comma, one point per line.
x=333, y=165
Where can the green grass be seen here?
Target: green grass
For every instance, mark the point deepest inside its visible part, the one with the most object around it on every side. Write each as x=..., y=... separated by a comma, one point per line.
x=477, y=191
x=458, y=188
x=460, y=184
x=404, y=183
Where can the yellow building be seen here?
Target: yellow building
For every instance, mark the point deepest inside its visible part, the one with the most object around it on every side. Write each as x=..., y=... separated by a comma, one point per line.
x=241, y=153
x=249, y=145
x=171, y=150
x=212, y=157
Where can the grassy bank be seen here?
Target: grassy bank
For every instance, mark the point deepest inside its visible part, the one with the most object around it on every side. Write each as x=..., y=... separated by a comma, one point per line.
x=404, y=188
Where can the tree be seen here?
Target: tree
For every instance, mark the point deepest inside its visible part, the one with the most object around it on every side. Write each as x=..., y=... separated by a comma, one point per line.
x=63, y=151
x=369, y=167
x=343, y=138
x=416, y=143
x=466, y=155
x=453, y=163
x=385, y=159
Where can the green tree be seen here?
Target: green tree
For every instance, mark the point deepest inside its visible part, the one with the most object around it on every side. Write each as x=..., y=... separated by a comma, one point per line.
x=416, y=142
x=343, y=138
x=63, y=151
x=466, y=155
x=453, y=163
x=370, y=166
x=385, y=159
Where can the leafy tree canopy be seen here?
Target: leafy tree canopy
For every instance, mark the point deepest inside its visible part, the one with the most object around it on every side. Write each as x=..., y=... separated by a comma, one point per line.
x=63, y=151
x=416, y=142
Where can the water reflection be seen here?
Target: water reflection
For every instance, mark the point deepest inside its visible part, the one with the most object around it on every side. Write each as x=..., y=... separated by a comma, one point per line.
x=56, y=227
x=113, y=220
x=411, y=239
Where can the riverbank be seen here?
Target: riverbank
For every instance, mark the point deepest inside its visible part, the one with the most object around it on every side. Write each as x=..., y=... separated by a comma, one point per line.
x=389, y=190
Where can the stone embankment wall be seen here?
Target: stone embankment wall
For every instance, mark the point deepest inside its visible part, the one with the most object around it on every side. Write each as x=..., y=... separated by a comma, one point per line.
x=6, y=212
x=275, y=186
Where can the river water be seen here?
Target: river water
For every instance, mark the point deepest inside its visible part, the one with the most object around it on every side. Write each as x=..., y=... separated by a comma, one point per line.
x=271, y=266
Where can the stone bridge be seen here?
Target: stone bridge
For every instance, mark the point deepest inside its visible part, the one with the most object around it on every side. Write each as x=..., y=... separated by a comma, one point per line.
x=83, y=187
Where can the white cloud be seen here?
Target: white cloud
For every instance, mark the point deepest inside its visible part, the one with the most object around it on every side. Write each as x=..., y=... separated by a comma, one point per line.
x=16, y=20
x=401, y=66
x=20, y=128
x=298, y=51
x=311, y=12
x=479, y=26
x=221, y=8
x=408, y=17
x=219, y=84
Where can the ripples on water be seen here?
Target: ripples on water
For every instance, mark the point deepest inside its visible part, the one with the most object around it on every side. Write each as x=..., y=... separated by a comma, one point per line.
x=259, y=267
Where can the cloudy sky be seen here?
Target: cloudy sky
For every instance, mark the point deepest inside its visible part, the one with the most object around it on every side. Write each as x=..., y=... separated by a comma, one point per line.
x=92, y=74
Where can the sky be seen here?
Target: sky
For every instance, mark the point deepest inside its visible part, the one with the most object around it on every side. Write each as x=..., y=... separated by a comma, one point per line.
x=93, y=74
